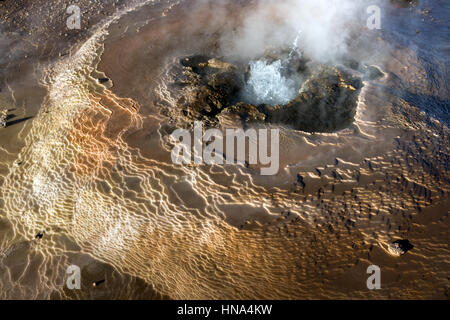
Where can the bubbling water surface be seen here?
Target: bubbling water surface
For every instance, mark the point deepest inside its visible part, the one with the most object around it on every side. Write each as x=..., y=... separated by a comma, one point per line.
x=267, y=85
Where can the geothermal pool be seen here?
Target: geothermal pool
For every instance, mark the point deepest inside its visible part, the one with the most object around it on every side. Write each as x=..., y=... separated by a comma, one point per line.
x=87, y=177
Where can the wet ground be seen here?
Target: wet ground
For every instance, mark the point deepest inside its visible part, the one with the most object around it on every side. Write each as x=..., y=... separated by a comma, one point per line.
x=86, y=176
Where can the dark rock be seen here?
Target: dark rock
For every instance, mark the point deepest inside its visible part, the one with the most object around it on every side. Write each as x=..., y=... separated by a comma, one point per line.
x=40, y=235
x=372, y=73
x=98, y=283
x=326, y=103
x=404, y=3
x=400, y=247
x=209, y=90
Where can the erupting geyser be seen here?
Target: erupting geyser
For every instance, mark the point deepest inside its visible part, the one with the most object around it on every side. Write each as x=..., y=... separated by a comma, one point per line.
x=267, y=85
x=280, y=88
x=273, y=79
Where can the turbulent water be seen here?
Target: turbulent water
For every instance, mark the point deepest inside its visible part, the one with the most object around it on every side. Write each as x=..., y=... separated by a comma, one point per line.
x=267, y=85
x=92, y=169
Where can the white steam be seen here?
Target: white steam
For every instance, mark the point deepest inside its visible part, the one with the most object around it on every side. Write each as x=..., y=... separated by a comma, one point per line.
x=324, y=26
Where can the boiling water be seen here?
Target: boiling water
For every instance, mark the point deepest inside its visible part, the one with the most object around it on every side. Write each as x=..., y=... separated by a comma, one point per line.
x=270, y=82
x=267, y=85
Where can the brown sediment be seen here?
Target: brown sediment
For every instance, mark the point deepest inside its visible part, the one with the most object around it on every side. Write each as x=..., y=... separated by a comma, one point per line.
x=211, y=232
x=98, y=129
